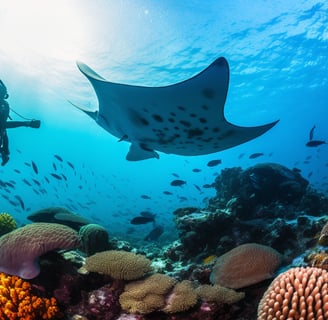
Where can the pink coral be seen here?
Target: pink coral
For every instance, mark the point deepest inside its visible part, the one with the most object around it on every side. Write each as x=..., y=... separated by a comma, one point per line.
x=244, y=265
x=298, y=293
x=21, y=248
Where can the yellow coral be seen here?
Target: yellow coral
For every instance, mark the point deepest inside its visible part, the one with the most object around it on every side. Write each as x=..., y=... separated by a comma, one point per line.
x=182, y=298
x=18, y=303
x=7, y=223
x=147, y=295
x=118, y=264
x=219, y=294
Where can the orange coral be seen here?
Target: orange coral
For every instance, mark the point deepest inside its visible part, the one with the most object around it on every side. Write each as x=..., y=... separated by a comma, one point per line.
x=18, y=303
x=298, y=293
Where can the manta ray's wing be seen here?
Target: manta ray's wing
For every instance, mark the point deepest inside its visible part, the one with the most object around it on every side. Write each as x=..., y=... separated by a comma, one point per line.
x=186, y=118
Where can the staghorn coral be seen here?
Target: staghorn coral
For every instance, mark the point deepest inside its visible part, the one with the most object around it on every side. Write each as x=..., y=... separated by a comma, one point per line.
x=18, y=303
x=298, y=293
x=121, y=265
x=147, y=295
x=20, y=249
x=244, y=265
x=7, y=223
x=218, y=294
x=182, y=297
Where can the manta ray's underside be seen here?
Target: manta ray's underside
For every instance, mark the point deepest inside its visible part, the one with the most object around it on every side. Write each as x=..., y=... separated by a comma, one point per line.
x=186, y=118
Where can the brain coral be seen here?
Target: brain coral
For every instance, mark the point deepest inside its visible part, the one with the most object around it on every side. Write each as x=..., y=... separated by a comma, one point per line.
x=245, y=265
x=21, y=248
x=7, y=223
x=298, y=293
x=147, y=295
x=118, y=264
x=18, y=303
x=94, y=238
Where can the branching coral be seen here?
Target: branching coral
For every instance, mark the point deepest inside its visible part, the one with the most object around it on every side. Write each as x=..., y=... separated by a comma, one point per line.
x=298, y=293
x=118, y=264
x=18, y=303
x=7, y=223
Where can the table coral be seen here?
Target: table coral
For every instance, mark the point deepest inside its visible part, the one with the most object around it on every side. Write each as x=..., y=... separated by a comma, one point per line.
x=18, y=303
x=20, y=249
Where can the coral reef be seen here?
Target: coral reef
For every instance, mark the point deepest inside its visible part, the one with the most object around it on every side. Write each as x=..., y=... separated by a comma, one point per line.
x=7, y=223
x=245, y=265
x=94, y=238
x=18, y=302
x=298, y=293
x=268, y=204
x=20, y=249
x=118, y=264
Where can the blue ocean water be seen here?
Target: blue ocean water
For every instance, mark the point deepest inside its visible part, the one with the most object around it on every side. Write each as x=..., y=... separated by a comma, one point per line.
x=277, y=52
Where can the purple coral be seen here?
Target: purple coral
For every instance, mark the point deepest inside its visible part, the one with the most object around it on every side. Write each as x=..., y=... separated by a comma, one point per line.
x=21, y=248
x=99, y=304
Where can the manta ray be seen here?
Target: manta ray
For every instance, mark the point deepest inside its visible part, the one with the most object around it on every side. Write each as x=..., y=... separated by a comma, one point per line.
x=186, y=118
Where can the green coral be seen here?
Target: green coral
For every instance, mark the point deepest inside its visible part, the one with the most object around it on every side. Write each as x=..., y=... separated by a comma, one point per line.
x=7, y=223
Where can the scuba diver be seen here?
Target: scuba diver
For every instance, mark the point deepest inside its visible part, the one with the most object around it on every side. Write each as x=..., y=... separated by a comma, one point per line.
x=4, y=124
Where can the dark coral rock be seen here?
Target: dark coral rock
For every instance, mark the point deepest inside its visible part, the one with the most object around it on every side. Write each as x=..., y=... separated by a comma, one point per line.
x=267, y=203
x=99, y=304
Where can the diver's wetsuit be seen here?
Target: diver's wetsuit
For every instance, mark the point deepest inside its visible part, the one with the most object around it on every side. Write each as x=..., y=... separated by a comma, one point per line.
x=4, y=124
